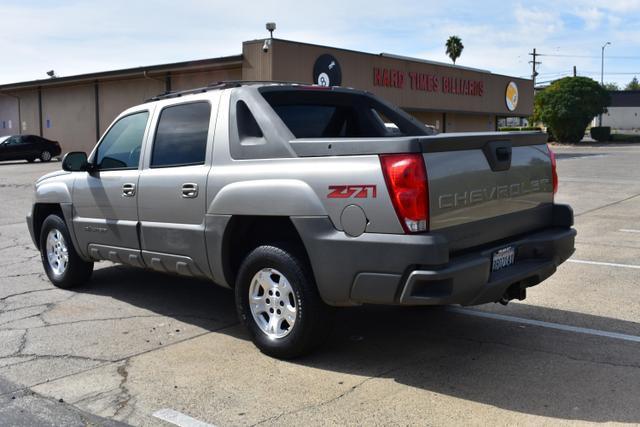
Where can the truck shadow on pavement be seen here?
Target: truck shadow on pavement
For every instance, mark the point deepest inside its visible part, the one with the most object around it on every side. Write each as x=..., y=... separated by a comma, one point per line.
x=524, y=369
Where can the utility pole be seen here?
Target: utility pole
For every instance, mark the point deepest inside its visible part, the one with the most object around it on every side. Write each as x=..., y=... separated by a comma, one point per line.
x=575, y=72
x=602, y=76
x=533, y=63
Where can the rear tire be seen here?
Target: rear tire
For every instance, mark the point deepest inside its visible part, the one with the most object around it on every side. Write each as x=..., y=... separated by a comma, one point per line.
x=45, y=156
x=61, y=262
x=278, y=301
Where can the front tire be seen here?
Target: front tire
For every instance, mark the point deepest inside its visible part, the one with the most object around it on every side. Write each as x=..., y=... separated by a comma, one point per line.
x=61, y=262
x=278, y=301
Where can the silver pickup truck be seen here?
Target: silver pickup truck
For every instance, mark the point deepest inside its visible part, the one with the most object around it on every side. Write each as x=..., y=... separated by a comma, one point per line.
x=302, y=199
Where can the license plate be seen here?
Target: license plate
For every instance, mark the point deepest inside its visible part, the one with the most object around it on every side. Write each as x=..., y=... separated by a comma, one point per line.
x=503, y=258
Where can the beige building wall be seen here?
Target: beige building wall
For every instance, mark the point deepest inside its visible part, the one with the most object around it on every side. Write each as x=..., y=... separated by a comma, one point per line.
x=295, y=61
x=457, y=122
x=191, y=80
x=116, y=96
x=23, y=121
x=69, y=108
x=256, y=63
x=429, y=118
x=8, y=115
x=68, y=116
x=29, y=115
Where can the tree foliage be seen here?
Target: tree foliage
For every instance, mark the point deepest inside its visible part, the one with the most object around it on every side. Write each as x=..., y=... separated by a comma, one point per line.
x=611, y=86
x=454, y=48
x=568, y=105
x=633, y=84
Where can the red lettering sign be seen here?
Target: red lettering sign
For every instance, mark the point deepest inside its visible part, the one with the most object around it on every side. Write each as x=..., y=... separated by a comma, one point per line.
x=386, y=77
x=394, y=78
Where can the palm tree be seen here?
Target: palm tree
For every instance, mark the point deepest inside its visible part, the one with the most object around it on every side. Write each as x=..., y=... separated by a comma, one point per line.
x=454, y=48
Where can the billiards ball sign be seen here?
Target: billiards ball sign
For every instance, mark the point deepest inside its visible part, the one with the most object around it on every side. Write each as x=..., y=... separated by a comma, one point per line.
x=511, y=96
x=326, y=71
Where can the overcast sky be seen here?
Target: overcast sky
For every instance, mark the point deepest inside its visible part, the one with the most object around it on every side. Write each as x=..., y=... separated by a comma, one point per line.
x=74, y=37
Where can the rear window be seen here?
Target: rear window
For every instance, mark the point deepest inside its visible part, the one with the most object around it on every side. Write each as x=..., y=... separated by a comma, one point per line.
x=333, y=114
x=181, y=136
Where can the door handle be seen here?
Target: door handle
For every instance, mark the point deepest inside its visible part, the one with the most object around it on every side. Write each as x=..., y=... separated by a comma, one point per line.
x=190, y=190
x=128, y=190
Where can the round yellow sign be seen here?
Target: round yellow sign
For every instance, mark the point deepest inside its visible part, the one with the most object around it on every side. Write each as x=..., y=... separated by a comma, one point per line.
x=512, y=96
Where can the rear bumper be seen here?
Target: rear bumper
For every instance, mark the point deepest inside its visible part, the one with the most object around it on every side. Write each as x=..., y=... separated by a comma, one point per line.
x=468, y=280
x=418, y=269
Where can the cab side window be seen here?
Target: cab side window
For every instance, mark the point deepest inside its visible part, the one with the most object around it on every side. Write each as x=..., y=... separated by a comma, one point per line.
x=181, y=135
x=120, y=147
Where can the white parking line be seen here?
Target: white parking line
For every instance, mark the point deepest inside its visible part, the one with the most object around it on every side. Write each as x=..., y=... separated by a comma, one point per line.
x=179, y=419
x=548, y=325
x=606, y=264
x=629, y=230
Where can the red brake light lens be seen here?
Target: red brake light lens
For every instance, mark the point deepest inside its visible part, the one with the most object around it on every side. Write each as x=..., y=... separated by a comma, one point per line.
x=406, y=178
x=554, y=170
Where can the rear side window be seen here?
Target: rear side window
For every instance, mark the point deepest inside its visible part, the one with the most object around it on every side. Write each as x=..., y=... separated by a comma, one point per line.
x=181, y=135
x=120, y=147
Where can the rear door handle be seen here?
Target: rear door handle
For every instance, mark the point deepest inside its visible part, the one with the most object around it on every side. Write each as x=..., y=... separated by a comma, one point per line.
x=128, y=190
x=190, y=190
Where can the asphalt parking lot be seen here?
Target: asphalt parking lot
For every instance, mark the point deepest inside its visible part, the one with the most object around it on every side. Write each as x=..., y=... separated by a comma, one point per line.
x=138, y=347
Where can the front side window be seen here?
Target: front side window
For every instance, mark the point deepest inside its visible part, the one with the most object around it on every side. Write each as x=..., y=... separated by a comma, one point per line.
x=120, y=147
x=181, y=136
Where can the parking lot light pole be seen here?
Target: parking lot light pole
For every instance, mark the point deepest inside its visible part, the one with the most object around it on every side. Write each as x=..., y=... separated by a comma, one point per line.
x=602, y=75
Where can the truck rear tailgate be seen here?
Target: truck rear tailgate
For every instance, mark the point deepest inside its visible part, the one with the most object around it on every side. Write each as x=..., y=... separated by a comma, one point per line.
x=491, y=189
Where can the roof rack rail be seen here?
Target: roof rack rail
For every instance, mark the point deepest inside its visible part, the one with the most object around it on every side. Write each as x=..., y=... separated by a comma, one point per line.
x=223, y=84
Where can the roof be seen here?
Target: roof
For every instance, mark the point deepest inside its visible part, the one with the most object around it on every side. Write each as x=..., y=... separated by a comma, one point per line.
x=125, y=72
x=625, y=98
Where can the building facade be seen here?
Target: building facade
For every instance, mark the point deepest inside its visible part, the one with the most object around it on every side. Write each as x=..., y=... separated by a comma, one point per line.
x=76, y=110
x=624, y=111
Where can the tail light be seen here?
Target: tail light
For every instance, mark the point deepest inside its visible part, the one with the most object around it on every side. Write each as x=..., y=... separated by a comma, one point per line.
x=554, y=170
x=406, y=178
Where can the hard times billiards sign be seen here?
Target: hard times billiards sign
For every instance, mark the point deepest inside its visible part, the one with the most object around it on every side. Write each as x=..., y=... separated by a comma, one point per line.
x=388, y=77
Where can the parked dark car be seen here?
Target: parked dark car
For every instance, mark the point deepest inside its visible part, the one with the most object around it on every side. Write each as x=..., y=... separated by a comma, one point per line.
x=28, y=147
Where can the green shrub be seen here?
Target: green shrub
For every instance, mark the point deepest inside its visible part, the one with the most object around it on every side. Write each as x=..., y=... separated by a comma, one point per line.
x=568, y=105
x=601, y=133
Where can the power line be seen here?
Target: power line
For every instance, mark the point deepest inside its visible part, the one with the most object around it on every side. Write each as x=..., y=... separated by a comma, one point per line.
x=561, y=73
x=587, y=56
x=593, y=73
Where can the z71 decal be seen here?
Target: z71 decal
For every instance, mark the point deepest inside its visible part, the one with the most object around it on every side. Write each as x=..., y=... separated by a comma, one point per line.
x=348, y=191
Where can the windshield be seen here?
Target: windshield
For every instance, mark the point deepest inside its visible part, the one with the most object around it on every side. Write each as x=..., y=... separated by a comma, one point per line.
x=4, y=139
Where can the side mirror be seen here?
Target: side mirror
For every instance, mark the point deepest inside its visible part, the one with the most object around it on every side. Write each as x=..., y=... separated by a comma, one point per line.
x=75, y=161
